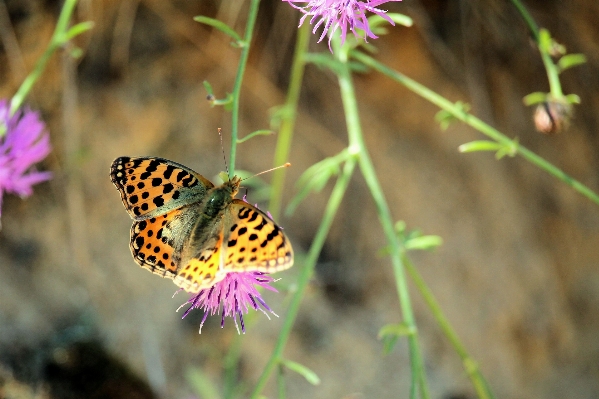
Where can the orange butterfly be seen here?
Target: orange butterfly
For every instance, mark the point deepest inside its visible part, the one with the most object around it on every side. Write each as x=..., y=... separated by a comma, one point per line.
x=187, y=229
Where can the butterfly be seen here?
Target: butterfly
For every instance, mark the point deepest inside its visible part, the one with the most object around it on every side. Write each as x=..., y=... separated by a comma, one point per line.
x=189, y=230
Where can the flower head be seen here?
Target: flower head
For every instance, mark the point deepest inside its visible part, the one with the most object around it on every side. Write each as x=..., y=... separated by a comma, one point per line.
x=342, y=14
x=24, y=143
x=233, y=296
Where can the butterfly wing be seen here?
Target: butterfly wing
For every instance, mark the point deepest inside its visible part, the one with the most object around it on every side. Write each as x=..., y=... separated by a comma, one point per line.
x=151, y=187
x=254, y=242
x=203, y=270
x=156, y=243
x=245, y=240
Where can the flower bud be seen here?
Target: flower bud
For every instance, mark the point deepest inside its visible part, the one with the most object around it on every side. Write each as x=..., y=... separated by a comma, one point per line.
x=552, y=116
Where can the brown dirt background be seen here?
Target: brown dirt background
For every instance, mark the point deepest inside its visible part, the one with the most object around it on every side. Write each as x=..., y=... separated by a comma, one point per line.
x=517, y=276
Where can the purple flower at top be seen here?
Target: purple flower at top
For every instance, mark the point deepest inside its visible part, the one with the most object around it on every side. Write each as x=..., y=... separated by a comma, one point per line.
x=233, y=296
x=334, y=14
x=25, y=142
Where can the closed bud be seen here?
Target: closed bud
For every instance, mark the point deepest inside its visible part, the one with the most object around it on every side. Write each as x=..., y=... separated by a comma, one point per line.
x=552, y=116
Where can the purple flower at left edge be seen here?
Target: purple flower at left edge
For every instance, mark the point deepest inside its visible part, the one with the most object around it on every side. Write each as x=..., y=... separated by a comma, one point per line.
x=233, y=296
x=343, y=14
x=24, y=143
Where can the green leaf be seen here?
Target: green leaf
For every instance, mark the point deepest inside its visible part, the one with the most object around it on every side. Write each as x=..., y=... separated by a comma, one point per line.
x=78, y=29
x=571, y=60
x=401, y=19
x=398, y=329
x=510, y=149
x=316, y=177
x=208, y=88
x=423, y=243
x=391, y=333
x=480, y=145
x=324, y=61
x=302, y=370
x=573, y=99
x=221, y=26
x=400, y=227
x=263, y=132
x=446, y=117
x=76, y=52
x=535, y=98
x=227, y=102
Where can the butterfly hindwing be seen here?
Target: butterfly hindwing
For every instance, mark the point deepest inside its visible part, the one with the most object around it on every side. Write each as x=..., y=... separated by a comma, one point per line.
x=253, y=241
x=202, y=270
x=151, y=187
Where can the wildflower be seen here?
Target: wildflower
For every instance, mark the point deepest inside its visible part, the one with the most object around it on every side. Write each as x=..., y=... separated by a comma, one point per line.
x=232, y=296
x=341, y=14
x=24, y=143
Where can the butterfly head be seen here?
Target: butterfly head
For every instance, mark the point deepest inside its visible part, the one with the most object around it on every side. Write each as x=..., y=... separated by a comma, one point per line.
x=234, y=183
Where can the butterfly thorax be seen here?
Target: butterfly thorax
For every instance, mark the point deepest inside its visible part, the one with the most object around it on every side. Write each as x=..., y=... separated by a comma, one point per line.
x=209, y=214
x=218, y=198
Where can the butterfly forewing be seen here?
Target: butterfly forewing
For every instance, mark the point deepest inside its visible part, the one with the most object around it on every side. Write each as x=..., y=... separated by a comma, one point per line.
x=156, y=243
x=153, y=186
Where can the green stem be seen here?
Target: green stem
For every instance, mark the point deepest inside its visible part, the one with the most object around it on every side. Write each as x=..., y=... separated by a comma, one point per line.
x=459, y=113
x=357, y=144
x=57, y=40
x=306, y=273
x=532, y=25
x=245, y=51
x=288, y=120
x=470, y=365
x=555, y=85
x=230, y=365
x=281, y=381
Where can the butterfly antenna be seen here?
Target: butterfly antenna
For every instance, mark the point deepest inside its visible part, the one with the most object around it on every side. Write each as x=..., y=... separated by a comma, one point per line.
x=269, y=170
x=223, y=149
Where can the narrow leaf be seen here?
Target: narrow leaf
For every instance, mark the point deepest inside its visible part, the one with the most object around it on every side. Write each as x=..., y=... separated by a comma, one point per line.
x=480, y=145
x=535, y=98
x=573, y=99
x=423, y=243
x=571, y=60
x=78, y=29
x=302, y=370
x=221, y=26
x=263, y=132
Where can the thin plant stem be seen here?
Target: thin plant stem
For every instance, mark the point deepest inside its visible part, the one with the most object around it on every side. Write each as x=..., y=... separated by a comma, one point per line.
x=230, y=365
x=245, y=52
x=288, y=120
x=555, y=86
x=532, y=25
x=357, y=144
x=306, y=273
x=281, y=381
x=470, y=365
x=57, y=40
x=459, y=113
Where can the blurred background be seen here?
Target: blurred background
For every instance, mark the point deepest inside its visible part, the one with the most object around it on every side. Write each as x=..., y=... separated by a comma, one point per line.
x=517, y=275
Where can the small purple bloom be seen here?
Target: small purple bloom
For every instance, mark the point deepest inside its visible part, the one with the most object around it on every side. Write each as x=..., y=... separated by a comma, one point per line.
x=341, y=14
x=25, y=142
x=232, y=296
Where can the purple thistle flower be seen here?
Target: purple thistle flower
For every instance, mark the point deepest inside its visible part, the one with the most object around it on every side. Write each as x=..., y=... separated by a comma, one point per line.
x=342, y=14
x=234, y=295
x=24, y=143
